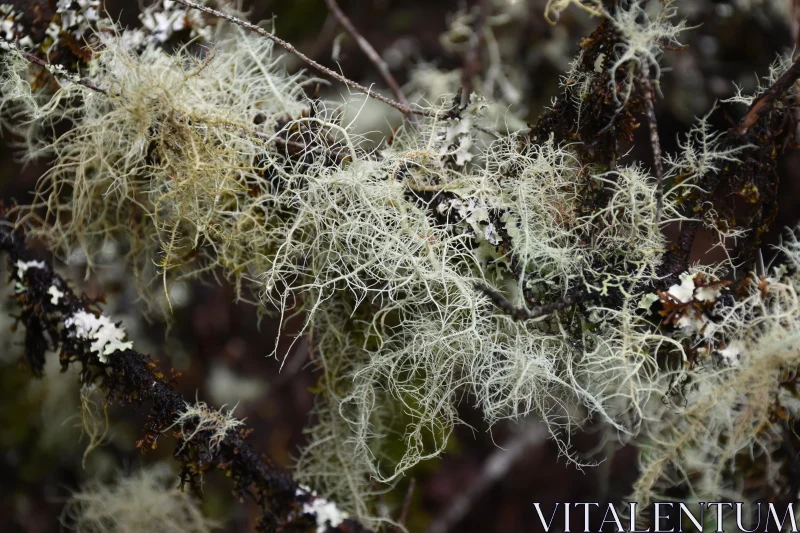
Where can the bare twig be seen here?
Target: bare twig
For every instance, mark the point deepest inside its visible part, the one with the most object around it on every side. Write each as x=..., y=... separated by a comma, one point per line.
x=133, y=378
x=522, y=313
x=655, y=143
x=406, y=110
x=487, y=131
x=496, y=466
x=369, y=51
x=795, y=26
x=763, y=104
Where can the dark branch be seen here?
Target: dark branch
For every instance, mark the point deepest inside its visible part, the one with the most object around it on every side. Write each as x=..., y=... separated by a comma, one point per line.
x=472, y=59
x=655, y=143
x=53, y=69
x=522, y=313
x=763, y=104
x=132, y=377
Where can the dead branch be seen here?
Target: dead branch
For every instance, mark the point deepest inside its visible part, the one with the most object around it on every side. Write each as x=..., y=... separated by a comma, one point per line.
x=472, y=59
x=496, y=466
x=763, y=104
x=58, y=73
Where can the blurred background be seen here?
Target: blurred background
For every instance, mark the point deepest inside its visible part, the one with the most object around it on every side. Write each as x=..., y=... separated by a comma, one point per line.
x=489, y=479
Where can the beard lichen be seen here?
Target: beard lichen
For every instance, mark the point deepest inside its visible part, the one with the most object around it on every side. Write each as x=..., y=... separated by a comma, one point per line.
x=219, y=162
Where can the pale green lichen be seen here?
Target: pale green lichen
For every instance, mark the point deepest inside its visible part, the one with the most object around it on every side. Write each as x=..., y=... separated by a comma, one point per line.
x=146, y=500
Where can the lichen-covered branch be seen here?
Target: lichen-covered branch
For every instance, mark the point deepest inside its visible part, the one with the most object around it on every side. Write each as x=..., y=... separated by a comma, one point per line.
x=763, y=104
x=57, y=319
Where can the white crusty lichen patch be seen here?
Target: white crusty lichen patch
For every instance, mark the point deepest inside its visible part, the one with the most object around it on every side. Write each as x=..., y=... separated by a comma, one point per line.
x=55, y=294
x=23, y=266
x=325, y=512
x=683, y=291
x=105, y=336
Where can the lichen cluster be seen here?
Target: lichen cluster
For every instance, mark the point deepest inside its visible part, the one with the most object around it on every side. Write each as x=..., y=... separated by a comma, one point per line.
x=410, y=260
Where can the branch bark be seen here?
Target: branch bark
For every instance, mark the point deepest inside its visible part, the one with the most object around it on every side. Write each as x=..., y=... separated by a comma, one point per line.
x=522, y=313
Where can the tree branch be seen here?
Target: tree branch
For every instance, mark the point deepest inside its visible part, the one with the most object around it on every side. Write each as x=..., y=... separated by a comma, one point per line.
x=522, y=313
x=655, y=143
x=763, y=104
x=472, y=59
x=51, y=68
x=369, y=51
x=406, y=110
x=494, y=469
x=131, y=377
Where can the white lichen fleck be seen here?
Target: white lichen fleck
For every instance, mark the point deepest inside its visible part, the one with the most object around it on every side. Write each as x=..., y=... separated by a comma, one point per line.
x=490, y=233
x=731, y=353
x=324, y=511
x=707, y=294
x=23, y=266
x=648, y=300
x=692, y=323
x=683, y=292
x=55, y=294
x=106, y=336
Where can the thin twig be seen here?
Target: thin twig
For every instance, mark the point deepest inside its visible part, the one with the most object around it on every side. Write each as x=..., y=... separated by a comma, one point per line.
x=369, y=51
x=406, y=110
x=795, y=26
x=522, y=313
x=487, y=131
x=763, y=104
x=54, y=69
x=650, y=111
